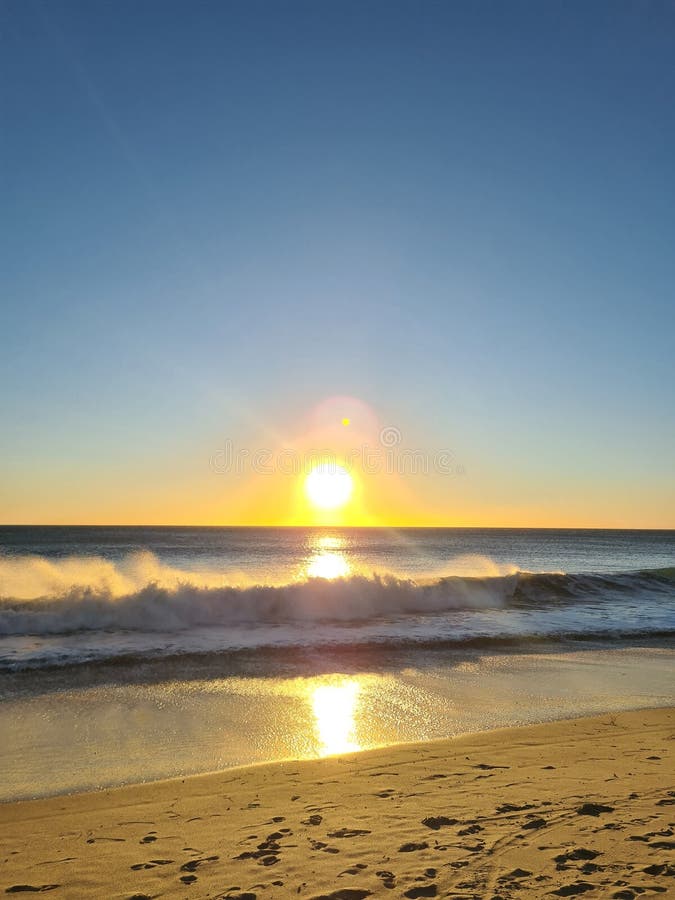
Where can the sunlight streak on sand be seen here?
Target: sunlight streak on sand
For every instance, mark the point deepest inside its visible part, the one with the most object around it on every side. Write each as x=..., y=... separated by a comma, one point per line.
x=334, y=706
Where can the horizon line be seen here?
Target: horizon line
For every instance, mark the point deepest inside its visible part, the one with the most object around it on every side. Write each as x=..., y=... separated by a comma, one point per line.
x=342, y=526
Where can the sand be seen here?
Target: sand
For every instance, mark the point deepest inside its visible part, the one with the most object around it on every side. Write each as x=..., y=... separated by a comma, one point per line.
x=581, y=807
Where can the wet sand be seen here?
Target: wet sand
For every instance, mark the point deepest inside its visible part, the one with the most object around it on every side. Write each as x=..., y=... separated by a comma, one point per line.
x=579, y=807
x=76, y=731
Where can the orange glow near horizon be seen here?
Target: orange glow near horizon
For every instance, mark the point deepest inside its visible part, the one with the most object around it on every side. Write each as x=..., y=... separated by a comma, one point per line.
x=267, y=480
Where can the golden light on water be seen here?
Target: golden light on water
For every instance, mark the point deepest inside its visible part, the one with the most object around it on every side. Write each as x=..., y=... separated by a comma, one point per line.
x=327, y=559
x=328, y=565
x=334, y=706
x=327, y=542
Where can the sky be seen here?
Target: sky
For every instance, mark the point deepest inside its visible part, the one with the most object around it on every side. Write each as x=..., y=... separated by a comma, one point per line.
x=228, y=226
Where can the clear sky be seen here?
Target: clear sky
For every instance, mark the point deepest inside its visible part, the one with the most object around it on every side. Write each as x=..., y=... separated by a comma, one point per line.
x=458, y=216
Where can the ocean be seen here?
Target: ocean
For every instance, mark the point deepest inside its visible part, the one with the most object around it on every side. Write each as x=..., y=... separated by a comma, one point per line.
x=73, y=595
x=132, y=653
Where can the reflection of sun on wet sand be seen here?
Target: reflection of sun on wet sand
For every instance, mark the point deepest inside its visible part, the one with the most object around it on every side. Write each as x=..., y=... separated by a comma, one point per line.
x=334, y=707
x=562, y=809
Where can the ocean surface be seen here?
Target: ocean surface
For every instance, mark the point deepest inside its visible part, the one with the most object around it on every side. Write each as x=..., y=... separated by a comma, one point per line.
x=131, y=654
x=86, y=594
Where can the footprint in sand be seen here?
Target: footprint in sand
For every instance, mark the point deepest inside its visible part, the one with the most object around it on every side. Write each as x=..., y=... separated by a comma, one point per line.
x=101, y=839
x=589, y=868
x=388, y=878
x=663, y=869
x=322, y=845
x=354, y=870
x=470, y=829
x=411, y=846
x=247, y=895
x=344, y=894
x=151, y=864
x=348, y=832
x=32, y=888
x=572, y=890
x=436, y=822
x=194, y=864
x=424, y=890
x=266, y=854
x=593, y=809
x=514, y=807
x=473, y=848
x=516, y=873
x=576, y=854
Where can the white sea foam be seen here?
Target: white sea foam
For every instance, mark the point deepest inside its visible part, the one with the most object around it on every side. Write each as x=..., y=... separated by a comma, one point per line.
x=139, y=594
x=39, y=596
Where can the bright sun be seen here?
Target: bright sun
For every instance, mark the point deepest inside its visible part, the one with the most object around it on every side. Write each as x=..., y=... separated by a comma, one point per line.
x=329, y=486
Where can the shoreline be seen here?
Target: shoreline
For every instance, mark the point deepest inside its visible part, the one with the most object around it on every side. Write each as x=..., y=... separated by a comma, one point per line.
x=158, y=724
x=393, y=746
x=309, y=828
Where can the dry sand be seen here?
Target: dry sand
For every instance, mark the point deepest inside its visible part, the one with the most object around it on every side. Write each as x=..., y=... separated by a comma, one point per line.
x=583, y=807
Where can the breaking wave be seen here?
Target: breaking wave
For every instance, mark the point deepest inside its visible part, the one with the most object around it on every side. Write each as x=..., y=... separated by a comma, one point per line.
x=39, y=597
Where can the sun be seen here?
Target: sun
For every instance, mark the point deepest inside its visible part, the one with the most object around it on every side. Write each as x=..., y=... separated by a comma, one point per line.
x=329, y=486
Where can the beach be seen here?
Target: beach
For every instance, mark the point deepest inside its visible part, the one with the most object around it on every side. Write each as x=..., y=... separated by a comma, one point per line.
x=582, y=806
x=336, y=713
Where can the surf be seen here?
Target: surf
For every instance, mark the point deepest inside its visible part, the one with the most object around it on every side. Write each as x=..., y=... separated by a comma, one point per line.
x=43, y=597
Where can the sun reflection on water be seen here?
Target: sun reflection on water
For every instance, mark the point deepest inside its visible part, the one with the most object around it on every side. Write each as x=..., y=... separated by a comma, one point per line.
x=328, y=565
x=327, y=557
x=334, y=705
x=327, y=542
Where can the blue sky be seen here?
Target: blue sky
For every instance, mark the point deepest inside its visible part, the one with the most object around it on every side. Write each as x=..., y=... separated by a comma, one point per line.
x=217, y=214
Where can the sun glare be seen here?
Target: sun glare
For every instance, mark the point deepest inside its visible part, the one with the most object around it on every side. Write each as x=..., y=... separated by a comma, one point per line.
x=328, y=565
x=329, y=486
x=334, y=707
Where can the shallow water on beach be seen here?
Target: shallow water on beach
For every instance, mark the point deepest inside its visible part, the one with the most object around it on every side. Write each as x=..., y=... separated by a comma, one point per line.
x=100, y=730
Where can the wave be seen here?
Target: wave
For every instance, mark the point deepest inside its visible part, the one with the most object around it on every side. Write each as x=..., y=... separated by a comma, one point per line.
x=117, y=603
x=313, y=652
x=561, y=586
x=153, y=608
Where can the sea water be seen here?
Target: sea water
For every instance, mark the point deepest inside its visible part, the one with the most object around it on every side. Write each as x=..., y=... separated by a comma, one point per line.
x=135, y=653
